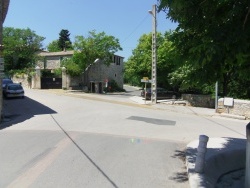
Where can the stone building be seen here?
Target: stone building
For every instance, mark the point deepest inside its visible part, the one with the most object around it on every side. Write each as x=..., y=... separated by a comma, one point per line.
x=96, y=76
x=52, y=60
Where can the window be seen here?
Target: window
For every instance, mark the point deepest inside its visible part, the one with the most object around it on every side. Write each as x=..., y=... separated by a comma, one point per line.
x=117, y=60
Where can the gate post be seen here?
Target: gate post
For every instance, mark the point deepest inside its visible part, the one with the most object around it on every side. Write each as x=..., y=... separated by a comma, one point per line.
x=36, y=81
x=64, y=78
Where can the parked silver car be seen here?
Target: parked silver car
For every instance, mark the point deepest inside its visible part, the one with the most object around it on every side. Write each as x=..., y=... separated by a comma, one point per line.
x=6, y=81
x=13, y=90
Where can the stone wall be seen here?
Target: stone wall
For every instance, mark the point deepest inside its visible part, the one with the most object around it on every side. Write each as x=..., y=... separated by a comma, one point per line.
x=74, y=82
x=204, y=101
x=240, y=108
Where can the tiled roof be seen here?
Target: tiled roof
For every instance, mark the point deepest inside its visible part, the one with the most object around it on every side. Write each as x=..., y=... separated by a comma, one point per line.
x=62, y=53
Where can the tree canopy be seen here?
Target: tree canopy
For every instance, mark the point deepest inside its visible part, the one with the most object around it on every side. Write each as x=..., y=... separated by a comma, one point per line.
x=20, y=47
x=139, y=64
x=64, y=42
x=53, y=46
x=214, y=37
x=94, y=46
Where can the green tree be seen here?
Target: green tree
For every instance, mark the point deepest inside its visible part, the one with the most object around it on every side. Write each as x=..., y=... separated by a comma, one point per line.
x=95, y=45
x=73, y=69
x=20, y=47
x=140, y=63
x=64, y=42
x=214, y=37
x=53, y=46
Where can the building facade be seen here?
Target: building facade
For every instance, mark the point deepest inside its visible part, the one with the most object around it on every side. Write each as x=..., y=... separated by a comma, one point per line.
x=94, y=79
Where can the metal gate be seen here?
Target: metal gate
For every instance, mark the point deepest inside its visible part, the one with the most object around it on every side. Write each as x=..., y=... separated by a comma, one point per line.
x=51, y=83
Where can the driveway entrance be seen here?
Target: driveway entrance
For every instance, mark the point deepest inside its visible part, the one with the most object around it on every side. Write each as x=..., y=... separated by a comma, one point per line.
x=51, y=83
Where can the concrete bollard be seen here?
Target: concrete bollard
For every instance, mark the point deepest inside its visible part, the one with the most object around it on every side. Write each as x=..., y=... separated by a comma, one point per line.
x=201, y=151
x=247, y=174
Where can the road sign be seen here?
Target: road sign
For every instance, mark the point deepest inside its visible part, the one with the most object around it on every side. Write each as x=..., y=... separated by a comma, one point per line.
x=145, y=78
x=228, y=101
x=146, y=81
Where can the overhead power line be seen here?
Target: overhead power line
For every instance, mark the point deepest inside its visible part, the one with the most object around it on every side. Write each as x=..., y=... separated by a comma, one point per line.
x=143, y=20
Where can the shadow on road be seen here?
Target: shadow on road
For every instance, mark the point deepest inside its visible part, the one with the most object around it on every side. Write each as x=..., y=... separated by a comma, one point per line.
x=18, y=110
x=153, y=120
x=180, y=177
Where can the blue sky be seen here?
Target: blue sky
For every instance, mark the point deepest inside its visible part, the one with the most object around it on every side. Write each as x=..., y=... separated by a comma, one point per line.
x=126, y=20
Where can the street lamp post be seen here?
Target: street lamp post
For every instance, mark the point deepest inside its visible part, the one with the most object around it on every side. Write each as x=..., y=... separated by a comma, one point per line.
x=154, y=58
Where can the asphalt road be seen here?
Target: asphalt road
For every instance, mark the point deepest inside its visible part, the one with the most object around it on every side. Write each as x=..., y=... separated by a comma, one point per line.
x=52, y=140
x=55, y=140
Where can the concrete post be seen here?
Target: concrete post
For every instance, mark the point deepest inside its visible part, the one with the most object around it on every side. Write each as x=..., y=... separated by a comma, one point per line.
x=36, y=81
x=154, y=57
x=201, y=151
x=247, y=174
x=64, y=78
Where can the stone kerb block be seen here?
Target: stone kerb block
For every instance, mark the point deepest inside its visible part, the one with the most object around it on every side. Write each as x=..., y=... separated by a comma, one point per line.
x=247, y=115
x=241, y=108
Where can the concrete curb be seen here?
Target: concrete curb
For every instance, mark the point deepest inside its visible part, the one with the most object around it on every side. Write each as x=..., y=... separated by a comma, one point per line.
x=233, y=116
x=223, y=155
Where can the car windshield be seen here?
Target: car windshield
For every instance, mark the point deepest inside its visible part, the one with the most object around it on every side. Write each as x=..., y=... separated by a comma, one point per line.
x=15, y=87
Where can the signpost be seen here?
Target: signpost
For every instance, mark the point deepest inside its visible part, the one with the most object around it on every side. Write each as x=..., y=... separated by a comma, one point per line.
x=145, y=80
x=228, y=102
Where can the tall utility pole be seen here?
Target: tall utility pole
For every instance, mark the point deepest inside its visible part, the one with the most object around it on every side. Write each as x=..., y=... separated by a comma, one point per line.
x=154, y=57
x=4, y=4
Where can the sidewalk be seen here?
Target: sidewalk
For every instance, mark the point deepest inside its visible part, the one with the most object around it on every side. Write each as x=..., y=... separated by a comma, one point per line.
x=178, y=107
x=224, y=156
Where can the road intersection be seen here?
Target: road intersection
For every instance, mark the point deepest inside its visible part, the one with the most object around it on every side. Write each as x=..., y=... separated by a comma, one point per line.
x=111, y=140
